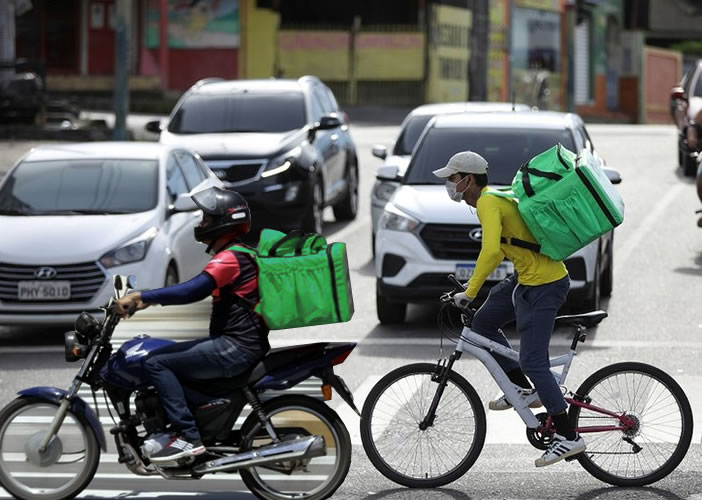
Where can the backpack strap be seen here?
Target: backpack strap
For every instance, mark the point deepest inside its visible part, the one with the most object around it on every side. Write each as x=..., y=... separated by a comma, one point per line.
x=251, y=254
x=534, y=247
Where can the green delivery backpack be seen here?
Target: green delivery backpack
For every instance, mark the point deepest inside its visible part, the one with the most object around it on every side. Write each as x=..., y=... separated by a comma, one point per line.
x=566, y=201
x=302, y=280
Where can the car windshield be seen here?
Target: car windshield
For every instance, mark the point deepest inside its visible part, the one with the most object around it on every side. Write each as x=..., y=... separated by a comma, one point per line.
x=410, y=134
x=78, y=187
x=504, y=149
x=243, y=112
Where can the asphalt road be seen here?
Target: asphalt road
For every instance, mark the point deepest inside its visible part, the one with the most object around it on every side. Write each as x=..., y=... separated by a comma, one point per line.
x=654, y=317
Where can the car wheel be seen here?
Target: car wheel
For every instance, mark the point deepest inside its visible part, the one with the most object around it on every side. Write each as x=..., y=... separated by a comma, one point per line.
x=348, y=207
x=171, y=275
x=592, y=302
x=689, y=165
x=389, y=313
x=608, y=275
x=312, y=221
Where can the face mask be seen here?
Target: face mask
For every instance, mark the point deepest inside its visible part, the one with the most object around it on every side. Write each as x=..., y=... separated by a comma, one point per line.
x=453, y=194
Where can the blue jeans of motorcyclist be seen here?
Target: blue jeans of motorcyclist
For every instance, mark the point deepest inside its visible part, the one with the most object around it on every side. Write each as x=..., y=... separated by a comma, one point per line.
x=535, y=309
x=201, y=359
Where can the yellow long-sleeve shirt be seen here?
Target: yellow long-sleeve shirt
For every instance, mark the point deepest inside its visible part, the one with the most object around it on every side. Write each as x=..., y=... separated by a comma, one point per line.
x=500, y=217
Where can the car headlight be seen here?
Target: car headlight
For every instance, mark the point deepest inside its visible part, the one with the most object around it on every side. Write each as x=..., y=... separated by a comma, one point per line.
x=395, y=220
x=132, y=252
x=281, y=163
x=383, y=190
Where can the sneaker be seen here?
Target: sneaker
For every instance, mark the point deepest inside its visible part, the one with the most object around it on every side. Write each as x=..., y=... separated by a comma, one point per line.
x=179, y=448
x=501, y=403
x=561, y=448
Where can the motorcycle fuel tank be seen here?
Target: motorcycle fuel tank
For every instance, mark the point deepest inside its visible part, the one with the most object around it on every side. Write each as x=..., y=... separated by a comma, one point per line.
x=125, y=367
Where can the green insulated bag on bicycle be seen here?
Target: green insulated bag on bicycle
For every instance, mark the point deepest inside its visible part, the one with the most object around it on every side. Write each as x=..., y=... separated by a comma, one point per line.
x=302, y=280
x=566, y=201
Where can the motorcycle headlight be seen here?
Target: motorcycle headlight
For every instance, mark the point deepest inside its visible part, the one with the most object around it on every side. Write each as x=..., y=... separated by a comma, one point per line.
x=87, y=325
x=132, y=252
x=396, y=220
x=383, y=190
x=281, y=163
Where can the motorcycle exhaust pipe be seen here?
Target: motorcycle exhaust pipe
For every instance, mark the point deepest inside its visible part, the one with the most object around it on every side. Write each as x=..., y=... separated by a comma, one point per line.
x=297, y=449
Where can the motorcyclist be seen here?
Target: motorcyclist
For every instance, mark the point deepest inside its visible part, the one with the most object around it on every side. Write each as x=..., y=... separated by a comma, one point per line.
x=238, y=336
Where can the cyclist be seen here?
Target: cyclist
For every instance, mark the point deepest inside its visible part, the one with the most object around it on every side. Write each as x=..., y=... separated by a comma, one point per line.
x=238, y=336
x=531, y=296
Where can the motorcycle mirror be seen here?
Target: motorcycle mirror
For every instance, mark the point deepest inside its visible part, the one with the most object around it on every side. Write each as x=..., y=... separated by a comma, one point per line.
x=121, y=284
x=131, y=282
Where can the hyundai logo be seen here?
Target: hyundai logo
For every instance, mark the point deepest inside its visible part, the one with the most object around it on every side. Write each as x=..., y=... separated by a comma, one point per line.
x=476, y=234
x=45, y=273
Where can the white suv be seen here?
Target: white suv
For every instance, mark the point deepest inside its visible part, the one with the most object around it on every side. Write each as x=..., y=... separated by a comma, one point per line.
x=423, y=236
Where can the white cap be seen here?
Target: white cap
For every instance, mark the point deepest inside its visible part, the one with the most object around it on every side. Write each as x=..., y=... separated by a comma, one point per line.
x=466, y=162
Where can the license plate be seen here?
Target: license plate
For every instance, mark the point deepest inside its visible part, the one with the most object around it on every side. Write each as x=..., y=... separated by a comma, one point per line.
x=44, y=290
x=465, y=271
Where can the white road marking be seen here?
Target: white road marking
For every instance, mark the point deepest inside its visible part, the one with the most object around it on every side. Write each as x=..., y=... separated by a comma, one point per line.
x=408, y=341
x=348, y=416
x=633, y=242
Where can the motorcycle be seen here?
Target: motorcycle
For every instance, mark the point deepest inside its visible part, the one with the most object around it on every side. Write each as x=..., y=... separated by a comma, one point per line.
x=289, y=446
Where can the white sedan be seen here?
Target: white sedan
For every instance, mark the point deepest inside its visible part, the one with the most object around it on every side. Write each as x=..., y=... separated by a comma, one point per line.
x=73, y=215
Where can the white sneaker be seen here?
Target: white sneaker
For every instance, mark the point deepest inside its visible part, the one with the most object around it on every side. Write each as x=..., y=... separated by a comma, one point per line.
x=501, y=403
x=561, y=448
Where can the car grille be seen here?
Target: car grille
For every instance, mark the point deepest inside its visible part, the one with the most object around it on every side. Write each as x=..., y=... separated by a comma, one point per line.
x=86, y=279
x=236, y=171
x=450, y=241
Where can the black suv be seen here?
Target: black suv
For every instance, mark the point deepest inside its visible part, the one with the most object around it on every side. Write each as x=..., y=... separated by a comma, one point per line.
x=283, y=144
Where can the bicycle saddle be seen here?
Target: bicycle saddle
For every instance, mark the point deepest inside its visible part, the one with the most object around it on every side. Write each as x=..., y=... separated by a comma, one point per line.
x=588, y=320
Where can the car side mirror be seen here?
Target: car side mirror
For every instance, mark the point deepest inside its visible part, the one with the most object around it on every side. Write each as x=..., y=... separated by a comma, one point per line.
x=613, y=175
x=678, y=94
x=329, y=122
x=380, y=151
x=154, y=126
x=388, y=173
x=183, y=203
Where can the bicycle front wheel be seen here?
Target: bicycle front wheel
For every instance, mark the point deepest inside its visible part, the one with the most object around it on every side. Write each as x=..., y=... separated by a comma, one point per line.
x=662, y=430
x=418, y=458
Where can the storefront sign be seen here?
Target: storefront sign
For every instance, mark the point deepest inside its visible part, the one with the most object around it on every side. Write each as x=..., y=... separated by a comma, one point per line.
x=198, y=24
x=449, y=54
x=539, y=4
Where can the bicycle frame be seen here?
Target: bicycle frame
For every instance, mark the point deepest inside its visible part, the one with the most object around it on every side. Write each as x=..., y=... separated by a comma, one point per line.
x=482, y=348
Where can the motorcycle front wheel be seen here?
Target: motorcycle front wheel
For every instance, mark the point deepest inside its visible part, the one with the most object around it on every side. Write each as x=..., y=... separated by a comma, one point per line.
x=295, y=416
x=63, y=470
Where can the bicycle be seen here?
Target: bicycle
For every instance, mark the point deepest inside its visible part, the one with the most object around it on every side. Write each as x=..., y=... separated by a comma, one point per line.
x=636, y=418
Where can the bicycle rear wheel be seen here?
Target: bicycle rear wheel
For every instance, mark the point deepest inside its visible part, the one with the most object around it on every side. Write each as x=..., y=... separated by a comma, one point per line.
x=662, y=430
x=417, y=458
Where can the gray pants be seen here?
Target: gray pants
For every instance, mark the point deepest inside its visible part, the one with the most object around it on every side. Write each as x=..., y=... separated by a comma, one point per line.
x=535, y=309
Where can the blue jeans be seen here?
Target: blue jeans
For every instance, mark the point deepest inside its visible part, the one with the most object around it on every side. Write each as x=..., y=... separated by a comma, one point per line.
x=535, y=309
x=200, y=359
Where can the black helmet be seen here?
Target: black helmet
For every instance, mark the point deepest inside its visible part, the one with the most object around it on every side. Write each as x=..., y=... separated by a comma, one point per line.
x=229, y=212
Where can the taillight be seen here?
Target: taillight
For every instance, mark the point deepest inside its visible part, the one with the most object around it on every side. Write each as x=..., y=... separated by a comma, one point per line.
x=341, y=358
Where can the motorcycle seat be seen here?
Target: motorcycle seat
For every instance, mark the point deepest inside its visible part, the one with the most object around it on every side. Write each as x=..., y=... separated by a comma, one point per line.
x=274, y=359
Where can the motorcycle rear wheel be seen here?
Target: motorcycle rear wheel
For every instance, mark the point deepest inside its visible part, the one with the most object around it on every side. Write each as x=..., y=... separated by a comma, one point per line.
x=326, y=473
x=60, y=473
